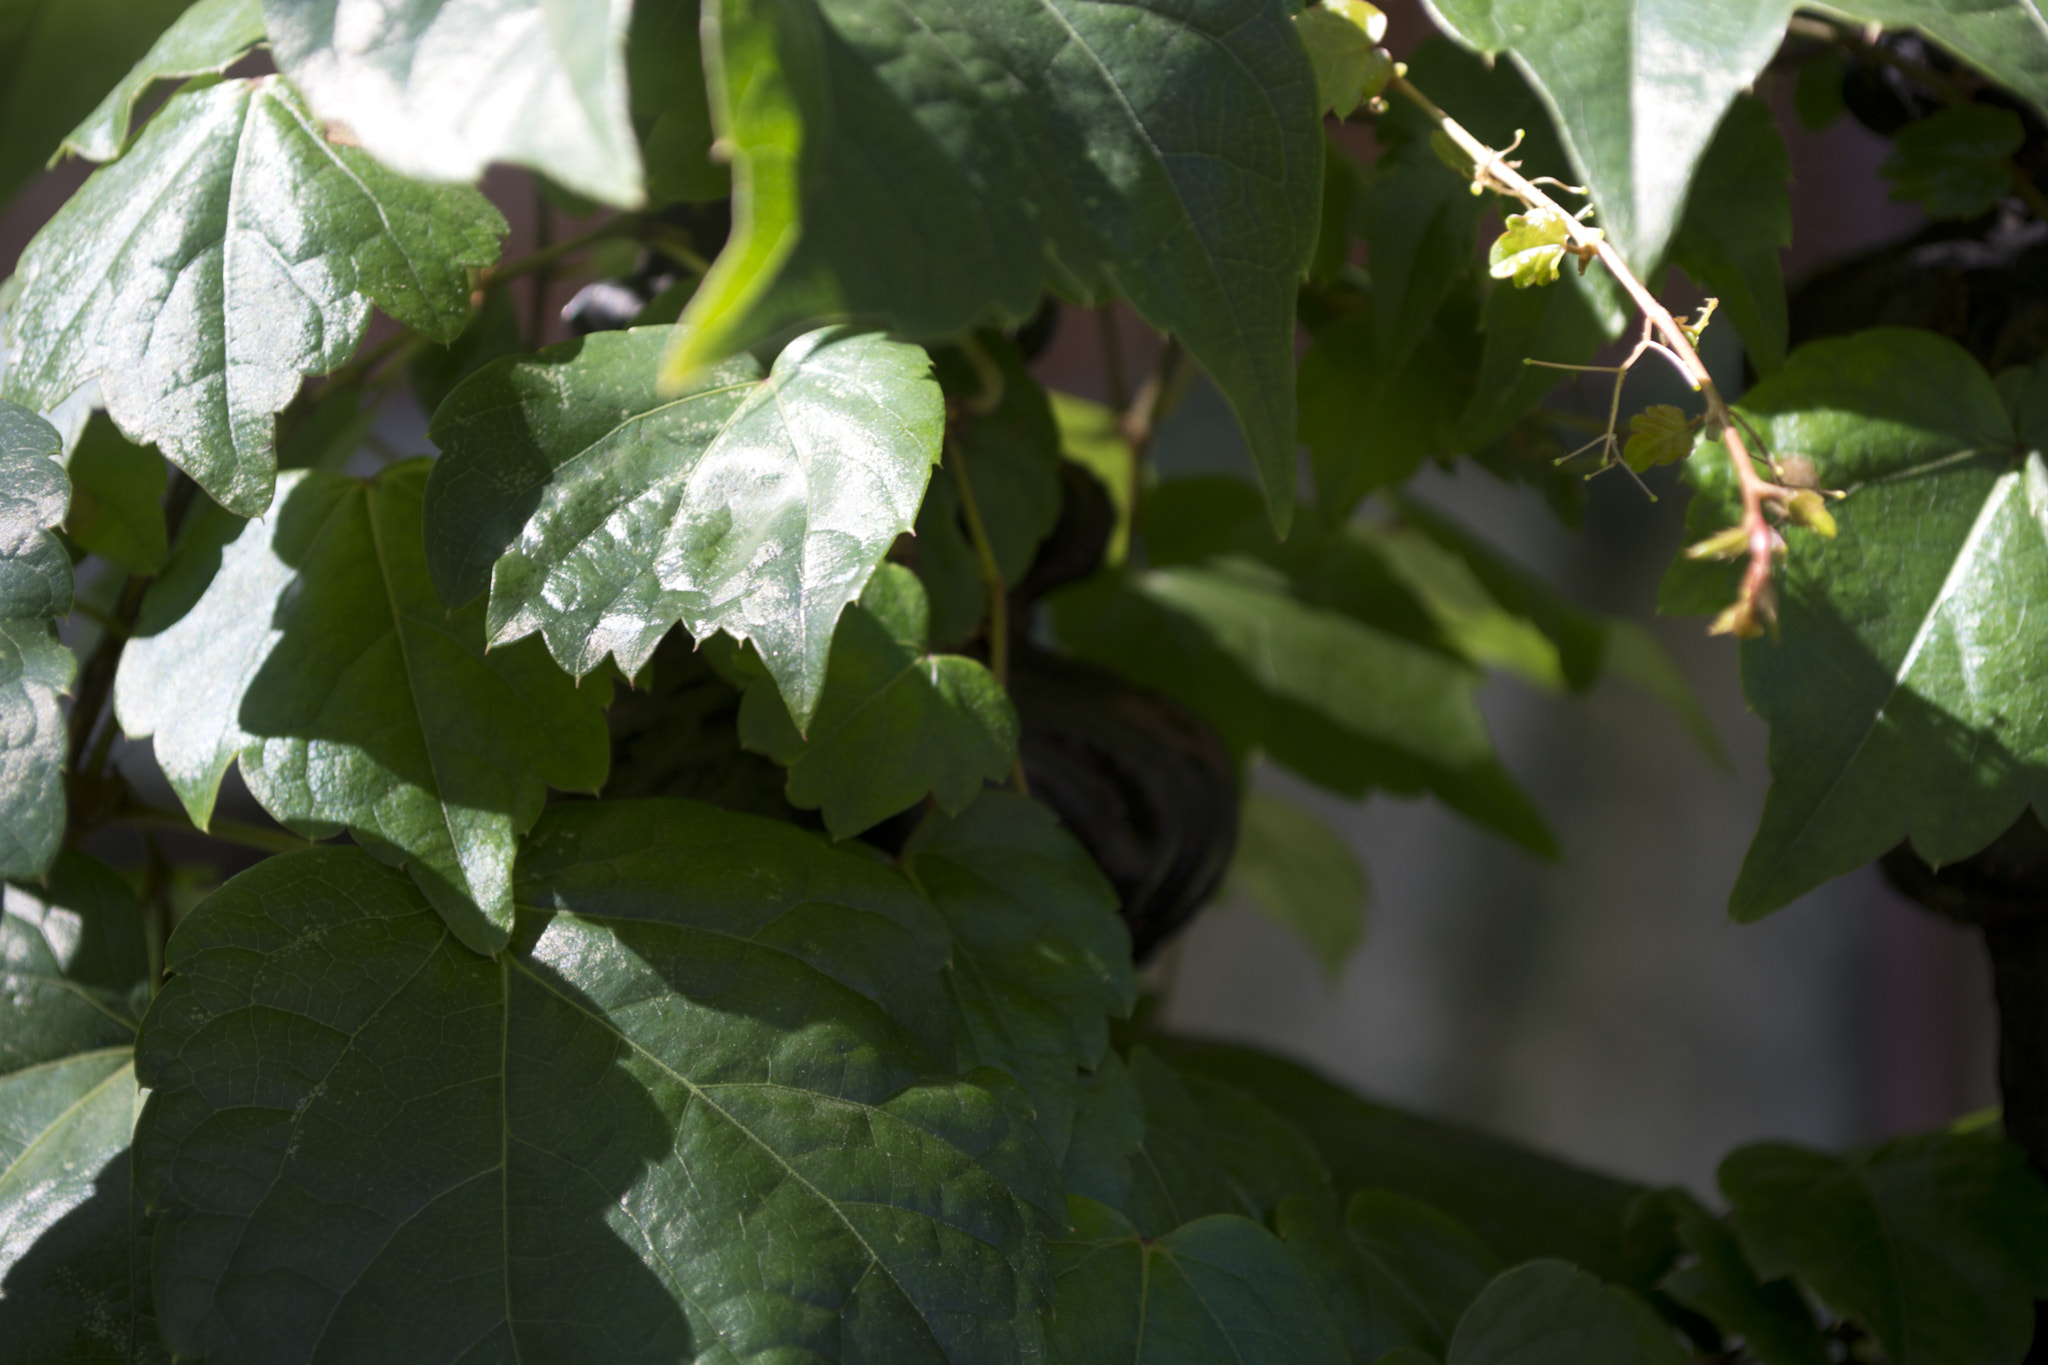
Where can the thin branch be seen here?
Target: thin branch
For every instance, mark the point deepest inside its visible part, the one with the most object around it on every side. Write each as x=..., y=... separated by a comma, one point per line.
x=1762, y=539
x=226, y=831
x=1113, y=376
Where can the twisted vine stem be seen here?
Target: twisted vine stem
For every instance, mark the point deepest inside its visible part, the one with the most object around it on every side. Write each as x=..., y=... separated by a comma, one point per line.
x=1755, y=606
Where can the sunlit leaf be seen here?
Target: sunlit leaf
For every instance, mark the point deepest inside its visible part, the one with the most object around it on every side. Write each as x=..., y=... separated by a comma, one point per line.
x=35, y=589
x=209, y=37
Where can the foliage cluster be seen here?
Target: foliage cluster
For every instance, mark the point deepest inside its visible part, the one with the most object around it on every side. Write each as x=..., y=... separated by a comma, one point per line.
x=714, y=805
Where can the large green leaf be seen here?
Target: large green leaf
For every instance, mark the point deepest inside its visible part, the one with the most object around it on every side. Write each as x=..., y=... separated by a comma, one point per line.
x=665, y=70
x=1938, y=1245
x=1040, y=961
x=231, y=251
x=1393, y=1271
x=1370, y=418
x=755, y=502
x=1903, y=695
x=73, y=978
x=1219, y=1289
x=209, y=37
x=1637, y=88
x=439, y=88
x=679, y=1119
x=317, y=655
x=1551, y=1313
x=2005, y=39
x=1737, y=218
x=73, y=965
x=57, y=57
x=35, y=589
x=895, y=722
x=1163, y=151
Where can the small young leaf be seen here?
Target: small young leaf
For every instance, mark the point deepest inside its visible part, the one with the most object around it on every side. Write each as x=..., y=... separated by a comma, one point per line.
x=440, y=88
x=1342, y=38
x=1298, y=871
x=317, y=656
x=211, y=36
x=894, y=722
x=1552, y=1313
x=1956, y=163
x=1529, y=248
x=1658, y=435
x=757, y=501
x=1219, y=1290
x=233, y=204
x=35, y=589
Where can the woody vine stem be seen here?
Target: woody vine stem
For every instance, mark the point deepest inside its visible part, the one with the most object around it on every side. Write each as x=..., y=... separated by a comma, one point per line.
x=1754, y=606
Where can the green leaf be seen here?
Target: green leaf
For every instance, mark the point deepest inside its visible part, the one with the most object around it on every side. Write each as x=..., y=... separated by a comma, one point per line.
x=1658, y=435
x=756, y=501
x=1521, y=1203
x=1770, y=1319
x=2007, y=40
x=1342, y=38
x=1092, y=438
x=1551, y=1313
x=317, y=655
x=1737, y=217
x=1297, y=870
x=1472, y=620
x=1040, y=960
x=1634, y=655
x=1196, y=197
x=70, y=1256
x=1529, y=248
x=667, y=1123
x=1266, y=1161
x=1556, y=325
x=117, y=497
x=1956, y=163
x=1371, y=421
x=209, y=37
x=895, y=721
x=1220, y=1289
x=1938, y=1245
x=74, y=974
x=35, y=589
x=1637, y=88
x=671, y=111
x=74, y=969
x=1394, y=1272
x=59, y=56
x=233, y=204
x=440, y=88
x=1903, y=692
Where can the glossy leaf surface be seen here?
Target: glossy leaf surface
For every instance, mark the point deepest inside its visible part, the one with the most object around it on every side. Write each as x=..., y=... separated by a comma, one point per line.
x=310, y=647
x=1938, y=1245
x=679, y=1119
x=1220, y=1289
x=895, y=721
x=74, y=1282
x=1041, y=144
x=439, y=88
x=1041, y=961
x=1903, y=693
x=231, y=251
x=755, y=501
x=35, y=589
x=1637, y=88
x=210, y=36
x=1552, y=1313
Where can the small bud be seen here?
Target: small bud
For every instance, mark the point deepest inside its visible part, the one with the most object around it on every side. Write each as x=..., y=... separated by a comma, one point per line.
x=1725, y=544
x=1797, y=471
x=1739, y=620
x=1809, y=509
